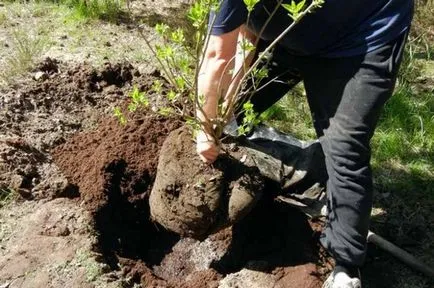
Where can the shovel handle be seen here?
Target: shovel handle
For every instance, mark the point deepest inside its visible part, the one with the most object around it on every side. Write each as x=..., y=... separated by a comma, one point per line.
x=401, y=254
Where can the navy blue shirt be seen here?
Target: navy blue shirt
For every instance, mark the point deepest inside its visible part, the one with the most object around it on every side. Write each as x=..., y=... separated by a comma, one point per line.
x=339, y=28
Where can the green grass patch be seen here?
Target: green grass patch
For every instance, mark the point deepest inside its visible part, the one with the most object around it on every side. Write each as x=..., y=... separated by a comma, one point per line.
x=108, y=10
x=292, y=115
x=406, y=130
x=422, y=36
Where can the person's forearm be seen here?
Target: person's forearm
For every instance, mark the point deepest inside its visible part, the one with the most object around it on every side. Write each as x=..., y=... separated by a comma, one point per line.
x=213, y=80
x=244, y=59
x=216, y=78
x=242, y=64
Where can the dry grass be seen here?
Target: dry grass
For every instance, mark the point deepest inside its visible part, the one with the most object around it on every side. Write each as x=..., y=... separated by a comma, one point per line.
x=27, y=48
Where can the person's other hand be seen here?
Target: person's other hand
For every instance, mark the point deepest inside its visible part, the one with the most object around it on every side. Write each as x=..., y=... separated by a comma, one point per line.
x=206, y=147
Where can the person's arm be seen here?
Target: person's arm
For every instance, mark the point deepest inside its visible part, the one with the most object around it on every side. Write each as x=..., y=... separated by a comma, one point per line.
x=215, y=80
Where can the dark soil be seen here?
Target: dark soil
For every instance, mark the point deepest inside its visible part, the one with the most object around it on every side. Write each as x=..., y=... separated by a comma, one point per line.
x=114, y=168
x=110, y=171
x=41, y=115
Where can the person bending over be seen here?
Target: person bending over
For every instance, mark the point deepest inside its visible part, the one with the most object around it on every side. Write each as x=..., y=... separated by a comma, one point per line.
x=347, y=53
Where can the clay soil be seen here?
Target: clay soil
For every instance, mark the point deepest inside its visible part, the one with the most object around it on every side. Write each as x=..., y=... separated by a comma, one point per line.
x=59, y=140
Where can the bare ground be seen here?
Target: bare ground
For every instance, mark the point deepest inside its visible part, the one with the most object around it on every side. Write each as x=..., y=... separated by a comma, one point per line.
x=56, y=239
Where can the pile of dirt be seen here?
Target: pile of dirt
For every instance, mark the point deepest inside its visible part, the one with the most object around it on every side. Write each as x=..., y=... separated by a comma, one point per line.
x=114, y=168
x=114, y=158
x=43, y=113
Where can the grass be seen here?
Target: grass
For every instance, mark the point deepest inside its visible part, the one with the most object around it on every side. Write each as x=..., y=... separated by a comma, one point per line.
x=26, y=49
x=423, y=29
x=108, y=10
x=406, y=129
x=7, y=195
x=403, y=167
x=292, y=115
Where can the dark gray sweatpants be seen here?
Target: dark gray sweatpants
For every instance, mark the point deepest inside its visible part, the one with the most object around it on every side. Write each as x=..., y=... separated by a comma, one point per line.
x=346, y=96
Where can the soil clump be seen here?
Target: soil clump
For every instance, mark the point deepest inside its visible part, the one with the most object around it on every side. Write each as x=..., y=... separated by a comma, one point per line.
x=192, y=198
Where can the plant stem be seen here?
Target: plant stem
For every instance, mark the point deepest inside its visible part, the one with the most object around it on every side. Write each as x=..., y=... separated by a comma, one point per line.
x=169, y=75
x=228, y=113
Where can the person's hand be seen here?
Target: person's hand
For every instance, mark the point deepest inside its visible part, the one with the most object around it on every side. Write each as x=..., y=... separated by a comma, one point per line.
x=206, y=147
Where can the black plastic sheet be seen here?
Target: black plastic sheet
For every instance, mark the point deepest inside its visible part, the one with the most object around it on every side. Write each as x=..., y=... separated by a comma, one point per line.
x=297, y=166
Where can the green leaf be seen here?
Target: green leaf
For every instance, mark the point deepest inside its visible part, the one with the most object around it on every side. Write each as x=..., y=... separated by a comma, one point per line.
x=214, y=5
x=193, y=123
x=250, y=119
x=164, y=51
x=137, y=98
x=161, y=29
x=185, y=65
x=250, y=4
x=293, y=5
x=168, y=51
x=246, y=45
x=143, y=100
x=197, y=13
x=201, y=99
x=132, y=107
x=259, y=74
x=177, y=36
x=156, y=86
x=121, y=117
x=165, y=111
x=287, y=7
x=172, y=96
x=300, y=5
x=159, y=51
x=180, y=83
x=294, y=9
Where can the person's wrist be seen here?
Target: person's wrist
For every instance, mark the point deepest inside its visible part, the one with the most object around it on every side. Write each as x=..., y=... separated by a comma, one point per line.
x=203, y=137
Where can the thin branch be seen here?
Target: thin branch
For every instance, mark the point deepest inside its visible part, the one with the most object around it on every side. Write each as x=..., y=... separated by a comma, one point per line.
x=171, y=80
x=313, y=5
x=258, y=37
x=223, y=73
x=199, y=64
